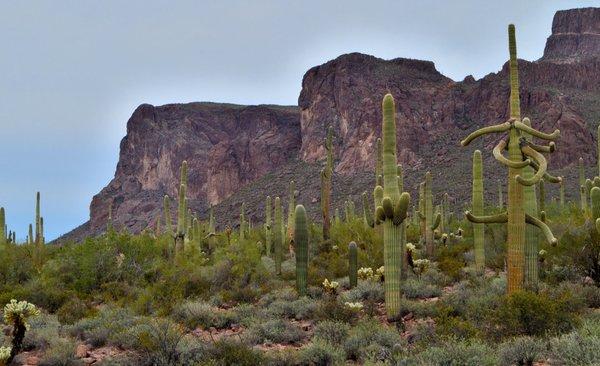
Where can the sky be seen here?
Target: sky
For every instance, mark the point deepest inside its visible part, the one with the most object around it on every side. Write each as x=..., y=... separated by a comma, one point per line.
x=72, y=72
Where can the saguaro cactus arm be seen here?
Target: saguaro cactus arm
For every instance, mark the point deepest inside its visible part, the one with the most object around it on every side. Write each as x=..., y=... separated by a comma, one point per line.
x=547, y=176
x=503, y=127
x=543, y=148
x=598, y=225
x=533, y=132
x=545, y=229
x=436, y=221
x=539, y=174
x=500, y=218
x=497, y=151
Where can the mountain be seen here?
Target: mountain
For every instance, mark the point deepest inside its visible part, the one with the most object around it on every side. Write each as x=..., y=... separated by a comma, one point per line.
x=242, y=153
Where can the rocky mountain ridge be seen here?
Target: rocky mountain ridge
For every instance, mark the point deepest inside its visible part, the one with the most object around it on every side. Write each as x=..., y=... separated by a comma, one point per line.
x=230, y=148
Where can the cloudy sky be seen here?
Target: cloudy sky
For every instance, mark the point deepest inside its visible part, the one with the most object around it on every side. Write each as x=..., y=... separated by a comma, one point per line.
x=73, y=71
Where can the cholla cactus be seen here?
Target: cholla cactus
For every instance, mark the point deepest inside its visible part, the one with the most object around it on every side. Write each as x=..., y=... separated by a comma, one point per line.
x=330, y=286
x=421, y=266
x=365, y=273
x=356, y=306
x=4, y=355
x=521, y=153
x=16, y=314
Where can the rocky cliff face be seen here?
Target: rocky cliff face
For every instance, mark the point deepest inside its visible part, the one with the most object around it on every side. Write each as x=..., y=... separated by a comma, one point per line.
x=226, y=147
x=229, y=147
x=575, y=35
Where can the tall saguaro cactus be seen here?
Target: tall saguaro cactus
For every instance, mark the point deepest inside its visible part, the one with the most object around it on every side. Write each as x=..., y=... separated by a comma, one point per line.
x=2, y=226
x=521, y=153
x=478, y=229
x=181, y=210
x=301, y=246
x=38, y=230
x=278, y=237
x=392, y=213
x=291, y=212
x=326, y=184
x=268, y=227
x=582, y=189
x=432, y=219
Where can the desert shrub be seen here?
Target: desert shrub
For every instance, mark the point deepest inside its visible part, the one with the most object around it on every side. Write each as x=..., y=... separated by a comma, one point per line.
x=369, y=333
x=455, y=352
x=275, y=331
x=163, y=342
x=302, y=308
x=331, y=331
x=73, y=310
x=365, y=291
x=580, y=347
x=521, y=351
x=450, y=325
x=533, y=314
x=195, y=314
x=418, y=289
x=332, y=309
x=109, y=326
x=451, y=260
x=43, y=329
x=226, y=352
x=418, y=308
x=433, y=276
x=61, y=352
x=320, y=353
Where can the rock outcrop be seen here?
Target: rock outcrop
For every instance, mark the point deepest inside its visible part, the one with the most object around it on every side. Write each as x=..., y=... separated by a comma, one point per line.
x=229, y=147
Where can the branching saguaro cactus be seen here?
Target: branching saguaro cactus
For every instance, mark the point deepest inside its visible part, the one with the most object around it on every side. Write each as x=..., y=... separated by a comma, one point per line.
x=353, y=264
x=392, y=213
x=268, y=226
x=278, y=237
x=521, y=153
x=478, y=229
x=326, y=184
x=301, y=247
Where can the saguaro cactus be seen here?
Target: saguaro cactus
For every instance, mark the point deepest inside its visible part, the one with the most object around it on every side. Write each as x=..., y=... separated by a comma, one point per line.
x=181, y=210
x=38, y=233
x=379, y=164
x=278, y=236
x=243, y=223
x=2, y=226
x=167, y=214
x=326, y=184
x=542, y=198
x=367, y=214
x=291, y=212
x=432, y=220
x=268, y=227
x=301, y=246
x=582, y=190
x=478, y=229
x=352, y=264
x=521, y=153
x=595, y=198
x=392, y=213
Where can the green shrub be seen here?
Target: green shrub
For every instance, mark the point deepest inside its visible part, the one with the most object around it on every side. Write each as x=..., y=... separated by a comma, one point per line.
x=226, y=352
x=535, y=314
x=576, y=348
x=61, y=352
x=418, y=289
x=463, y=353
x=73, y=310
x=275, y=331
x=302, y=308
x=109, y=326
x=521, y=351
x=332, y=332
x=43, y=329
x=320, y=353
x=332, y=309
x=370, y=333
x=195, y=314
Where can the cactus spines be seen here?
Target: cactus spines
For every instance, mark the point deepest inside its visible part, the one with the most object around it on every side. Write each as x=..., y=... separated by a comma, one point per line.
x=352, y=264
x=326, y=184
x=301, y=246
x=268, y=227
x=392, y=213
x=278, y=236
x=582, y=189
x=521, y=154
x=478, y=229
